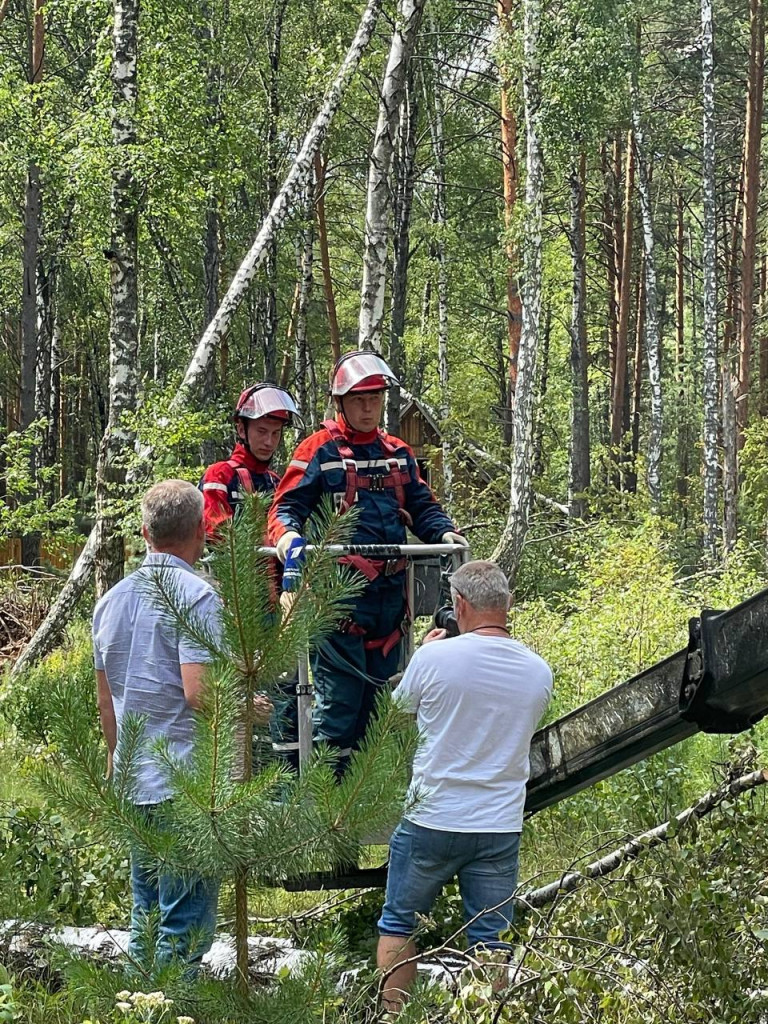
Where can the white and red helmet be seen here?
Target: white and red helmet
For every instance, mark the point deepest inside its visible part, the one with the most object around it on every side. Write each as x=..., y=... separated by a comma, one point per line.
x=266, y=400
x=360, y=371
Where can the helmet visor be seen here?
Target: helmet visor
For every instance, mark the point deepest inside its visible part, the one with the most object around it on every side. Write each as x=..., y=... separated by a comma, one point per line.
x=267, y=400
x=354, y=369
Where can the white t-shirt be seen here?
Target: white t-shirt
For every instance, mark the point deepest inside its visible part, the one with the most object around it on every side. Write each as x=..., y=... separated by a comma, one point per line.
x=477, y=699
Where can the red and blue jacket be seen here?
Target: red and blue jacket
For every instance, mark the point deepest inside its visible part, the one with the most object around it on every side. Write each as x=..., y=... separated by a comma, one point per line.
x=390, y=491
x=223, y=485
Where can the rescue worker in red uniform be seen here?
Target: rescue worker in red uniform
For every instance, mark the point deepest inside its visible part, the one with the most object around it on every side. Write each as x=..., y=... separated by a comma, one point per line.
x=353, y=460
x=261, y=414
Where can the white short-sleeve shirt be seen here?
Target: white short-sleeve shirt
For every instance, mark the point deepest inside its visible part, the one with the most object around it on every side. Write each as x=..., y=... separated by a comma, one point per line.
x=477, y=699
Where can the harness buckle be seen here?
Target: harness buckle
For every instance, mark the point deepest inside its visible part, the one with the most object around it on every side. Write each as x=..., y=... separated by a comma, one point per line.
x=392, y=566
x=376, y=483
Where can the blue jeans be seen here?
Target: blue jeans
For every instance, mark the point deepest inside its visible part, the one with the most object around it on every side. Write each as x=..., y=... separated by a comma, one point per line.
x=423, y=860
x=187, y=912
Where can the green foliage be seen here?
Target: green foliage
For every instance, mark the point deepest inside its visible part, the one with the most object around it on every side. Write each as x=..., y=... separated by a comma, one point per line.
x=609, y=624
x=53, y=872
x=26, y=704
x=584, y=71
x=753, y=462
x=24, y=508
x=227, y=818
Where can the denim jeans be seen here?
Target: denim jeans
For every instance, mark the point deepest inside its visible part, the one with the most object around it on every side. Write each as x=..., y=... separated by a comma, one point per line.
x=423, y=860
x=186, y=907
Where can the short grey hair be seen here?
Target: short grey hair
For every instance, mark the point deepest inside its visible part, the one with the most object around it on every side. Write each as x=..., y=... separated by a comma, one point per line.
x=483, y=585
x=171, y=511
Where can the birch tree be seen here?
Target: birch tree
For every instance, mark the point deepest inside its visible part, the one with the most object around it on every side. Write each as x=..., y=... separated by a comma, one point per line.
x=377, y=214
x=652, y=333
x=123, y=323
x=440, y=220
x=510, y=178
x=405, y=179
x=637, y=379
x=680, y=360
x=510, y=546
x=623, y=235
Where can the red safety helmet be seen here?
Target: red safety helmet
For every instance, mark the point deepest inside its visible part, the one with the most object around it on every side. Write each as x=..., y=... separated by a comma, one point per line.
x=266, y=400
x=360, y=371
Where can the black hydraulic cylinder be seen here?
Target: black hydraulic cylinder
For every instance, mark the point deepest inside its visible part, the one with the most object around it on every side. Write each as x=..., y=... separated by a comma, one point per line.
x=725, y=688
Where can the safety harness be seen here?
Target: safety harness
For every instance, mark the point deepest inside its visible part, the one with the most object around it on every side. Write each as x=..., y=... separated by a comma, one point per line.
x=243, y=475
x=371, y=568
x=396, y=478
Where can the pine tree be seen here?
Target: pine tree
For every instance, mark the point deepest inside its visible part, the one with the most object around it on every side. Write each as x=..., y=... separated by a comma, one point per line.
x=229, y=817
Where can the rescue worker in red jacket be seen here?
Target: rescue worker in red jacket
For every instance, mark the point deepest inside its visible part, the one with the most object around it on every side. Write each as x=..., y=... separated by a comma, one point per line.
x=353, y=460
x=261, y=414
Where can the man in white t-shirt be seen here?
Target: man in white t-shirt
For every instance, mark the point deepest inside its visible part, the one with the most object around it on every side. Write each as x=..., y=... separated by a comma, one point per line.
x=478, y=698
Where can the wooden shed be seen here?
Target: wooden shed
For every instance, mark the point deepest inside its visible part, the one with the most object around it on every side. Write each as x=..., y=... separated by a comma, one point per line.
x=419, y=429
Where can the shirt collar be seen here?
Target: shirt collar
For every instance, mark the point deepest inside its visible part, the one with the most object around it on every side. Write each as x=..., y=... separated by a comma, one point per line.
x=166, y=558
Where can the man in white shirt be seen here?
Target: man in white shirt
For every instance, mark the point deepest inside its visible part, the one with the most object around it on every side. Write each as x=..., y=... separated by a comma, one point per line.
x=478, y=698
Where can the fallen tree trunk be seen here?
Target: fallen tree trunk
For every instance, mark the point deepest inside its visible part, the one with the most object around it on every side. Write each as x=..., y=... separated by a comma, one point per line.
x=61, y=611
x=572, y=880
x=293, y=184
x=26, y=946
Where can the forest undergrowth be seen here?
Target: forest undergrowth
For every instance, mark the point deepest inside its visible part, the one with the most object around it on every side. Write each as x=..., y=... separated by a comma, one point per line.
x=676, y=935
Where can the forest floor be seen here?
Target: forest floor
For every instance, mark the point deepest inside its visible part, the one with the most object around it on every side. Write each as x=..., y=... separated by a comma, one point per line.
x=23, y=606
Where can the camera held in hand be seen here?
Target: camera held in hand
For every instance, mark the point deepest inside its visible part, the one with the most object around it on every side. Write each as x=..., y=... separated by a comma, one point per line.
x=444, y=617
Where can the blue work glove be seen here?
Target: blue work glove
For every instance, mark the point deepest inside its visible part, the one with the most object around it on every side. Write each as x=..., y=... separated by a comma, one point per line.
x=294, y=563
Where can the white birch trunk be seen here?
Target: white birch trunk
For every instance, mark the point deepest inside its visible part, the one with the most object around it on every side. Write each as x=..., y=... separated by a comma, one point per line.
x=123, y=323
x=709, y=271
x=510, y=546
x=571, y=880
x=292, y=186
x=652, y=335
x=379, y=167
x=61, y=613
x=404, y=173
